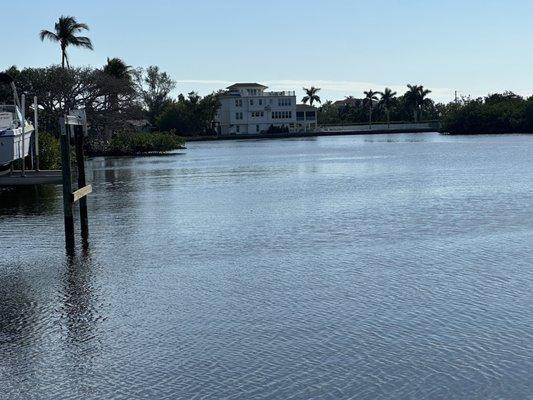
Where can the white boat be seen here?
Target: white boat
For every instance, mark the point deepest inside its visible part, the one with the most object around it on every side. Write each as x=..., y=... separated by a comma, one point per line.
x=15, y=131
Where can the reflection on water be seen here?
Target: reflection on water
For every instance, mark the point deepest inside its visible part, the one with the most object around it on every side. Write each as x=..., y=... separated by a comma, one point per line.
x=32, y=200
x=368, y=267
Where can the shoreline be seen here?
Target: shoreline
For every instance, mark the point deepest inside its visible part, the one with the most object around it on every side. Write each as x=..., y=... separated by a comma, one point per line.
x=308, y=134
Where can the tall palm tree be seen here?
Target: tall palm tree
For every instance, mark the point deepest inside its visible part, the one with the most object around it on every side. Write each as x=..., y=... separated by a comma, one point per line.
x=65, y=31
x=370, y=98
x=311, y=95
x=416, y=98
x=411, y=98
x=387, y=99
x=423, y=101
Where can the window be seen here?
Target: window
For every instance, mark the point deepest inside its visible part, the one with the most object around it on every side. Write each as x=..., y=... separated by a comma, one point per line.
x=284, y=102
x=281, y=114
x=251, y=102
x=300, y=115
x=260, y=102
x=238, y=128
x=238, y=103
x=238, y=115
x=310, y=115
x=257, y=128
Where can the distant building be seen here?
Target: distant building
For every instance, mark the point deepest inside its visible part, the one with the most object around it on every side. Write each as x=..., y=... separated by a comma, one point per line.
x=247, y=109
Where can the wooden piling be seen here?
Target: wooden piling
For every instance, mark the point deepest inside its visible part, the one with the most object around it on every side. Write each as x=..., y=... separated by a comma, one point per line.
x=23, y=127
x=36, y=133
x=82, y=184
x=74, y=125
x=67, y=183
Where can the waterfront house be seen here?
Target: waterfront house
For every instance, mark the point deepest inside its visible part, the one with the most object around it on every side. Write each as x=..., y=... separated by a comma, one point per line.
x=247, y=109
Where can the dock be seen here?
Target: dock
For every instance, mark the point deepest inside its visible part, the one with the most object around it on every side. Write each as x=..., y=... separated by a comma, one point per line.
x=73, y=131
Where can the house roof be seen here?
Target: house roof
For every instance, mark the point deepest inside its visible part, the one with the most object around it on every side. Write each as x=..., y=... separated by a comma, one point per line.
x=245, y=85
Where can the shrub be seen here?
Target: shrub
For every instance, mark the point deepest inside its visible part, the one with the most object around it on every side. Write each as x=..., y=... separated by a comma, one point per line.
x=49, y=151
x=138, y=143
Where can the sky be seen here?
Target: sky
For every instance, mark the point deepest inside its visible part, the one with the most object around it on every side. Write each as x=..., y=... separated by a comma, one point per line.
x=474, y=47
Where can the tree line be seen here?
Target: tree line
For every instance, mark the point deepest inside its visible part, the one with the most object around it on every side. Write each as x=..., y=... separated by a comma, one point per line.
x=383, y=106
x=495, y=113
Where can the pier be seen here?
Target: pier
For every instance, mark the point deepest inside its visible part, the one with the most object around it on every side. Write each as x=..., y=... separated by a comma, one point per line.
x=73, y=132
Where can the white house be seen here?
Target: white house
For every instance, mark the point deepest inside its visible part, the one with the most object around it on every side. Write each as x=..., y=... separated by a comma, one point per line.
x=247, y=109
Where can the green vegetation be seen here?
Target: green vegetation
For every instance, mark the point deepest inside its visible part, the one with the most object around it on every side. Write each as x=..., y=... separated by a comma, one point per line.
x=49, y=151
x=496, y=113
x=138, y=143
x=413, y=105
x=190, y=115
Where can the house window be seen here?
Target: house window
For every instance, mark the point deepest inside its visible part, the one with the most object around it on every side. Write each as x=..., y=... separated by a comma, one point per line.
x=251, y=102
x=260, y=102
x=300, y=115
x=310, y=115
x=238, y=128
x=257, y=128
x=238, y=103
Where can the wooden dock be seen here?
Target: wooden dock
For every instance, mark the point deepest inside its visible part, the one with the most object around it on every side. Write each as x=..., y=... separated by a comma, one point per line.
x=50, y=177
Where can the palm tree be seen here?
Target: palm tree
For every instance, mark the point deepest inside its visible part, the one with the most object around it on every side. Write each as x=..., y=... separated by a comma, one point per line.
x=411, y=98
x=311, y=95
x=423, y=101
x=118, y=69
x=370, y=98
x=416, y=97
x=121, y=80
x=65, y=31
x=388, y=98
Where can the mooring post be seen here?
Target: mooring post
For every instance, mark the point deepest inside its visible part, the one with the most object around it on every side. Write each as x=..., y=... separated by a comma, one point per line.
x=80, y=162
x=23, y=125
x=36, y=132
x=67, y=184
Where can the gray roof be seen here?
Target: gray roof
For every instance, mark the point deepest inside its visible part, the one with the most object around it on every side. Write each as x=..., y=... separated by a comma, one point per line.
x=243, y=85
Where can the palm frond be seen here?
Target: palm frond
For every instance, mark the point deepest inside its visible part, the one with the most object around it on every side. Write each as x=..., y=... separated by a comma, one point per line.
x=78, y=27
x=44, y=34
x=81, y=41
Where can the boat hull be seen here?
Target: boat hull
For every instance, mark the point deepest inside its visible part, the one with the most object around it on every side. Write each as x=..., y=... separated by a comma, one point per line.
x=11, y=148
